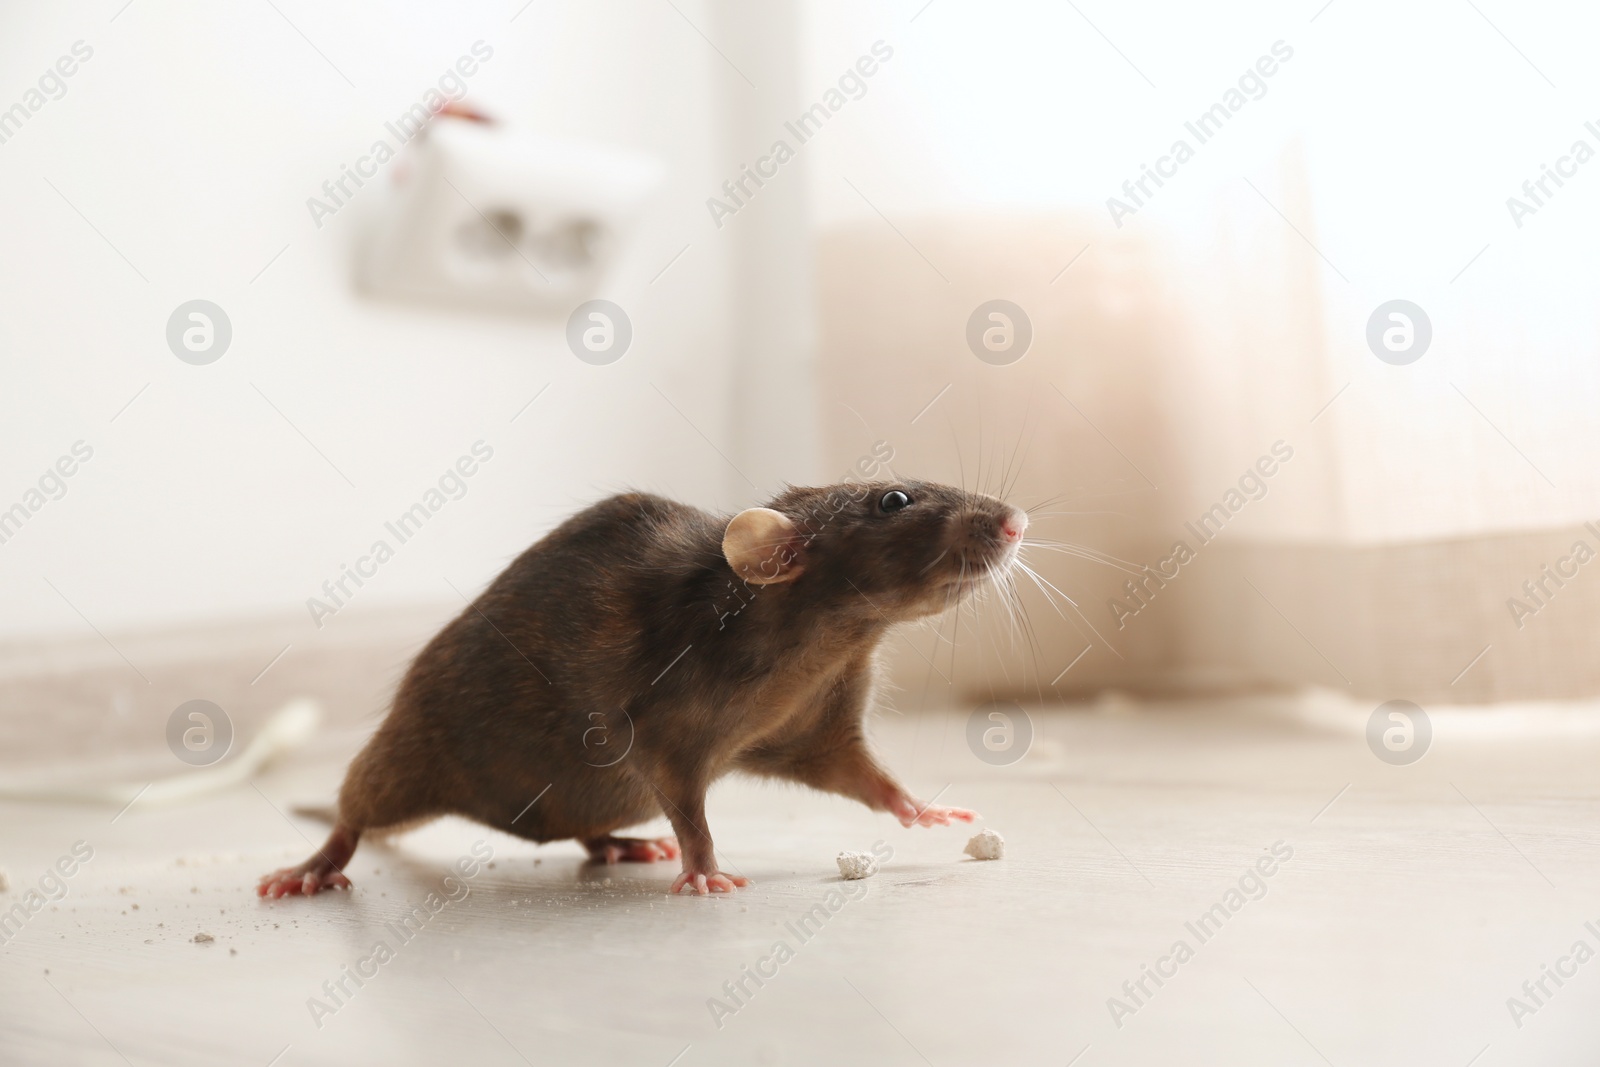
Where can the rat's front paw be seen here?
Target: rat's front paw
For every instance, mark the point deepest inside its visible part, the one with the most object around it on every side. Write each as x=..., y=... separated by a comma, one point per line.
x=709, y=882
x=913, y=812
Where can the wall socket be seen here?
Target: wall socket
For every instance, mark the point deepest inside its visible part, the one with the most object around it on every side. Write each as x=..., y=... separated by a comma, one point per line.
x=477, y=217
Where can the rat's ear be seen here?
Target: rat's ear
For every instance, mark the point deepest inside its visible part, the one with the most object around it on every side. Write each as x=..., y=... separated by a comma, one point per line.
x=763, y=547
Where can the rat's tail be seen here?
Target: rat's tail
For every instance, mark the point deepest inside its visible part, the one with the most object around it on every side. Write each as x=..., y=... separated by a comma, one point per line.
x=321, y=812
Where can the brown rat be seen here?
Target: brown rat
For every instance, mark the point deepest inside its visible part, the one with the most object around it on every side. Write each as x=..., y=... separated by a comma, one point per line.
x=645, y=648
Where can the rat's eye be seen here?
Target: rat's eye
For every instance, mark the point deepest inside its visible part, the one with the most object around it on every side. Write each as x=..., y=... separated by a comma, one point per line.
x=894, y=500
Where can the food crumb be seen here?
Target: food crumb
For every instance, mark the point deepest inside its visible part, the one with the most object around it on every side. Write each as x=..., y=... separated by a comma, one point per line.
x=855, y=865
x=986, y=845
x=203, y=939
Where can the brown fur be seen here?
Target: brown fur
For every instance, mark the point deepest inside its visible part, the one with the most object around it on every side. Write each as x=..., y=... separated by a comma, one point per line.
x=630, y=610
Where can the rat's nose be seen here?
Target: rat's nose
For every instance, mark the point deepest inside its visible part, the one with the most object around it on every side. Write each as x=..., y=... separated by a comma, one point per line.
x=1014, y=525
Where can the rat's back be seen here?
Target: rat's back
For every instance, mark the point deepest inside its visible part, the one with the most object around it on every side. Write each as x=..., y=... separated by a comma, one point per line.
x=600, y=589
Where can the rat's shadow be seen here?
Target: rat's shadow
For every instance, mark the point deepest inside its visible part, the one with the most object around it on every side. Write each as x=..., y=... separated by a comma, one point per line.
x=523, y=882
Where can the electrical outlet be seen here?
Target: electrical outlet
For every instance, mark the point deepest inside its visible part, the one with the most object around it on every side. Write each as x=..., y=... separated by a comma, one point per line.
x=477, y=217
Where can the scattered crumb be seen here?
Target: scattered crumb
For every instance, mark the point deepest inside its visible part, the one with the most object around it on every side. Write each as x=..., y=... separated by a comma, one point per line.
x=203, y=939
x=854, y=865
x=233, y=952
x=986, y=845
x=135, y=907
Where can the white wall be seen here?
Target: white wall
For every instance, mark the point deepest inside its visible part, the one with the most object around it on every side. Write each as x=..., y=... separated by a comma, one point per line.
x=191, y=141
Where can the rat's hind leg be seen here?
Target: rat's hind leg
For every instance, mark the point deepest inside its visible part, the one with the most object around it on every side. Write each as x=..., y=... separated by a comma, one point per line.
x=324, y=870
x=610, y=849
x=373, y=798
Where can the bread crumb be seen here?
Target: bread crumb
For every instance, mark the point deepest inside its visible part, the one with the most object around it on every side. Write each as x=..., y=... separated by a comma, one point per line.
x=986, y=845
x=855, y=865
x=203, y=939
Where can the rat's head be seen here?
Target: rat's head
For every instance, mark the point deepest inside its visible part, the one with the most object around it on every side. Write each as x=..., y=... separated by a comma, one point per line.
x=895, y=550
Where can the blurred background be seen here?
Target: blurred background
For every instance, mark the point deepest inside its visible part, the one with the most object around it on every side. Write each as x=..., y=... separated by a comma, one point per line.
x=1293, y=360
x=778, y=332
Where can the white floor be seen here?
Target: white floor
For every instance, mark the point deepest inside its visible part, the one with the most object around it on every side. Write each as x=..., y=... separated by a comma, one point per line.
x=1413, y=906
